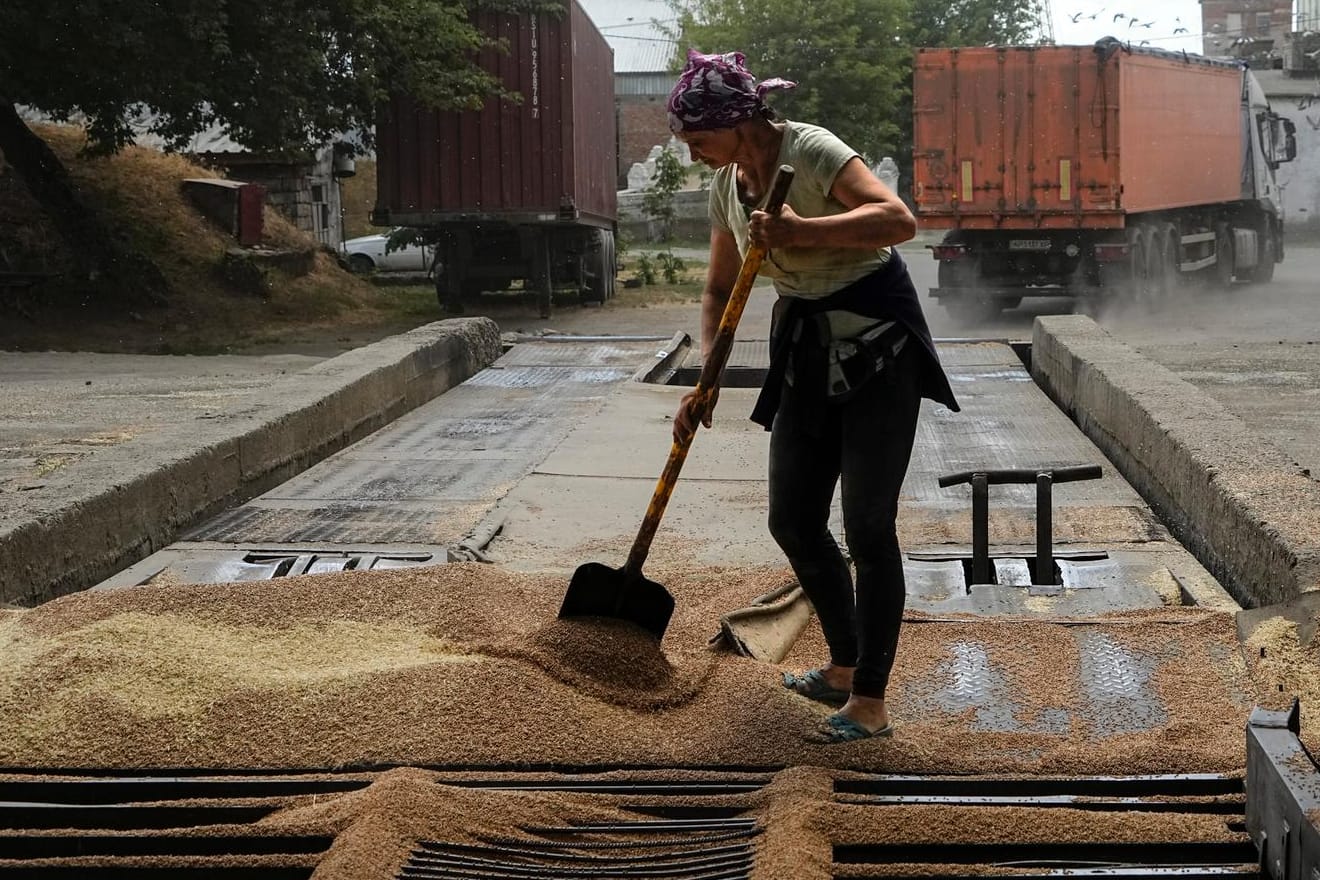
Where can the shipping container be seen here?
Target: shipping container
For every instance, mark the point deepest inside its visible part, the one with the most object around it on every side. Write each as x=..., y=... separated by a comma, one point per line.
x=519, y=189
x=1089, y=170
x=1051, y=137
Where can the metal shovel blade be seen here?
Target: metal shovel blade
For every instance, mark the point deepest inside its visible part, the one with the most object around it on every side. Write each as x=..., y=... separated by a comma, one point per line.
x=597, y=590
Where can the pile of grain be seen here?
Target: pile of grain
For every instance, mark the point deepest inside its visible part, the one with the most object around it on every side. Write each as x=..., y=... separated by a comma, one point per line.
x=466, y=664
x=800, y=822
x=1287, y=667
x=375, y=828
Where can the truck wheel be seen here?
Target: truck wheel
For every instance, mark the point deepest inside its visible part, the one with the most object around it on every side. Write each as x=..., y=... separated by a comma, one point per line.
x=1263, y=271
x=361, y=264
x=1150, y=284
x=600, y=270
x=972, y=309
x=450, y=296
x=967, y=308
x=1223, y=256
x=1137, y=290
x=1164, y=271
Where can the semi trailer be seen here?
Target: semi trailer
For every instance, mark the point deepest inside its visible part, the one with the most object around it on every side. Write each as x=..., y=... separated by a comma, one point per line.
x=519, y=190
x=1093, y=172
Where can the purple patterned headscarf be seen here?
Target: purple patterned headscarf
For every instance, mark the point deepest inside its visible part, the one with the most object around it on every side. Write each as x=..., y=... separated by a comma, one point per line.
x=717, y=91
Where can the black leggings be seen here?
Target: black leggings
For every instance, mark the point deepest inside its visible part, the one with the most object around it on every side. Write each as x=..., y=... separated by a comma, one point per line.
x=866, y=442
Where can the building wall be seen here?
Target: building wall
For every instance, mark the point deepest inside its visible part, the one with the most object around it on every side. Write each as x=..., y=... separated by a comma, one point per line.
x=643, y=123
x=307, y=193
x=1224, y=21
x=1299, y=180
x=1308, y=15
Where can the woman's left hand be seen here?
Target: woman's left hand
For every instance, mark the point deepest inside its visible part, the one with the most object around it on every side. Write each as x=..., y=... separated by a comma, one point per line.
x=778, y=230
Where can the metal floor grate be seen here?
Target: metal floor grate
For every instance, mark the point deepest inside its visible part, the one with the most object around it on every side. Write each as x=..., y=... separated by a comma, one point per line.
x=694, y=849
x=1106, y=855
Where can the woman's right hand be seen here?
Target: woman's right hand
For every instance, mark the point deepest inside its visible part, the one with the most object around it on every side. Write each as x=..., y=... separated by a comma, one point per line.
x=694, y=407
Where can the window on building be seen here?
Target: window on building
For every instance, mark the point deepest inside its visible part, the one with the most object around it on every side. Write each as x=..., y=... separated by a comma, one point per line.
x=1262, y=24
x=318, y=189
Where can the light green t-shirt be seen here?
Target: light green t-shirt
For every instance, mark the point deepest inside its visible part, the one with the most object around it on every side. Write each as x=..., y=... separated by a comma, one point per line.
x=817, y=156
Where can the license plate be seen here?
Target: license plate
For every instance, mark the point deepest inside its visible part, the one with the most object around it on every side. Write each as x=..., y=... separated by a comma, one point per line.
x=1029, y=244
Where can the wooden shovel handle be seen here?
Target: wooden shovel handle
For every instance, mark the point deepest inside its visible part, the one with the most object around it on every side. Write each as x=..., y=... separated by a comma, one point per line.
x=709, y=380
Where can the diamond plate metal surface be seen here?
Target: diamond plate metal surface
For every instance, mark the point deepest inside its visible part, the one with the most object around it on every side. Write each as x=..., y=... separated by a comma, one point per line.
x=432, y=475
x=1006, y=422
x=978, y=354
x=1118, y=688
x=543, y=377
x=972, y=683
x=330, y=524
x=567, y=352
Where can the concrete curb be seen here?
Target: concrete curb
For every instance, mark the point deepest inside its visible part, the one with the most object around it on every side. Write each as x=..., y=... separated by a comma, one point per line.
x=1242, y=506
x=135, y=499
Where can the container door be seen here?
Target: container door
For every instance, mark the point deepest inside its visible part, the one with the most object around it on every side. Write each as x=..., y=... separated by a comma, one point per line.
x=958, y=133
x=984, y=130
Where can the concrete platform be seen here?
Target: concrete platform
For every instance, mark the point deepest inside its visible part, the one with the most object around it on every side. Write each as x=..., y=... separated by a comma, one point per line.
x=552, y=452
x=106, y=458
x=1243, y=505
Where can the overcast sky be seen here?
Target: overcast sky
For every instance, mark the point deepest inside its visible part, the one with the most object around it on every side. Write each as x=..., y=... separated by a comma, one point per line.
x=1174, y=24
x=1166, y=17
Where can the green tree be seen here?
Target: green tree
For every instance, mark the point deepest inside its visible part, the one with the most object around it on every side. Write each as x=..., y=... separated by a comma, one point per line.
x=658, y=197
x=973, y=22
x=274, y=74
x=846, y=56
x=658, y=205
x=852, y=59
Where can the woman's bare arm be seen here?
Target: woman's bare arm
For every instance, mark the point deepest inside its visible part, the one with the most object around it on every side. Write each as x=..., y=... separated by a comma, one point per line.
x=721, y=276
x=876, y=217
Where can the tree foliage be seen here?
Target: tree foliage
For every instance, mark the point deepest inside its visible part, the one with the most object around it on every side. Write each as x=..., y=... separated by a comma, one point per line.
x=852, y=59
x=273, y=73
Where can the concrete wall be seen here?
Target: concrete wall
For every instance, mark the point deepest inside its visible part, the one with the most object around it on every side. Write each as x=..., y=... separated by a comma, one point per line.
x=1243, y=507
x=132, y=500
x=305, y=192
x=692, y=222
x=643, y=123
x=1295, y=98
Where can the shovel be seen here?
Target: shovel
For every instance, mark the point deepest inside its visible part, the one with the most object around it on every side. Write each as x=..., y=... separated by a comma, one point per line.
x=597, y=590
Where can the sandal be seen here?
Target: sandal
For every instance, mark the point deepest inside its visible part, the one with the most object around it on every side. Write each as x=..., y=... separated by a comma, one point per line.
x=842, y=729
x=813, y=686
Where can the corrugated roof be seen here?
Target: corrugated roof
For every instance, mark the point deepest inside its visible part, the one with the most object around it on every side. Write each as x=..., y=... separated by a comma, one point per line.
x=636, y=31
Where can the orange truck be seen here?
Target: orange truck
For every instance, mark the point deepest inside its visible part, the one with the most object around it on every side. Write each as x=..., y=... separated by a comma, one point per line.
x=1093, y=172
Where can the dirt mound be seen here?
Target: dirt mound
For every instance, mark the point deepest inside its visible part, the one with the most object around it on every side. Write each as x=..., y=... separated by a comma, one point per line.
x=137, y=193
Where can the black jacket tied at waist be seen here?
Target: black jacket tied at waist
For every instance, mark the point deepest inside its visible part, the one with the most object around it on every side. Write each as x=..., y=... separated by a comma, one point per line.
x=887, y=294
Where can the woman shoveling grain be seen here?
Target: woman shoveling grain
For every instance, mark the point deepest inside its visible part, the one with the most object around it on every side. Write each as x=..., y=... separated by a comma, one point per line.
x=851, y=357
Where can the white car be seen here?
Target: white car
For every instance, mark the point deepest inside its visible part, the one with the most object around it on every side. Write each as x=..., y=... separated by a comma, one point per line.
x=367, y=254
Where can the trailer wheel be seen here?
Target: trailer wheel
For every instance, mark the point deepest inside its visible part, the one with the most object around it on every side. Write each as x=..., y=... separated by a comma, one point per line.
x=1167, y=278
x=601, y=269
x=1150, y=283
x=967, y=308
x=973, y=309
x=1263, y=271
x=1224, y=258
x=1133, y=279
x=450, y=296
